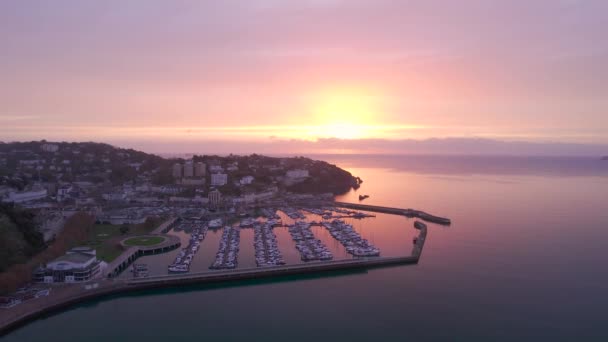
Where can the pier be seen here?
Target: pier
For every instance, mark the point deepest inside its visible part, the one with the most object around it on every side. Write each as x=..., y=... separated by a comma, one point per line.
x=395, y=211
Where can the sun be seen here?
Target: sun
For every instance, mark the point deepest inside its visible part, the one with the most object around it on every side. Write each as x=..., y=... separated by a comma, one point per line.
x=344, y=115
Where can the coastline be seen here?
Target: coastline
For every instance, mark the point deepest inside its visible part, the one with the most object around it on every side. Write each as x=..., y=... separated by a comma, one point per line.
x=69, y=296
x=65, y=296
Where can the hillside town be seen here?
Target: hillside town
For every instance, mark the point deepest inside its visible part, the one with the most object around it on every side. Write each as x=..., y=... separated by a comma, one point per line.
x=123, y=186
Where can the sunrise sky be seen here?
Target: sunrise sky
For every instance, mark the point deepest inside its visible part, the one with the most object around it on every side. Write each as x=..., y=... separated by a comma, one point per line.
x=175, y=73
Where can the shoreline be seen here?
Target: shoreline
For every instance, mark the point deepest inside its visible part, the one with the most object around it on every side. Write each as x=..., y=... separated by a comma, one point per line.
x=109, y=287
x=63, y=296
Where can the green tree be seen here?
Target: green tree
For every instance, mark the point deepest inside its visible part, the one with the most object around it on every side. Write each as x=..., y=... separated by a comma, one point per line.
x=124, y=229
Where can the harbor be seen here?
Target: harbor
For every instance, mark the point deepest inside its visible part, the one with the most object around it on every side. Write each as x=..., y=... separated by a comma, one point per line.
x=308, y=245
x=266, y=247
x=184, y=257
x=312, y=249
x=226, y=256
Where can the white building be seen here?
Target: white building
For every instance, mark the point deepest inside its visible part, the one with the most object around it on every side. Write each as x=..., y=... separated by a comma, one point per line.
x=63, y=192
x=216, y=168
x=246, y=180
x=50, y=148
x=77, y=265
x=297, y=174
x=219, y=179
x=26, y=196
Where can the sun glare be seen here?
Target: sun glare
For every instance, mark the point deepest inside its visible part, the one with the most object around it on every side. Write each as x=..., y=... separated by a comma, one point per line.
x=344, y=115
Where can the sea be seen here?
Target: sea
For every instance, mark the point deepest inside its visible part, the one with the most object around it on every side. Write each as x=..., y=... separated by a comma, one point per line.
x=524, y=260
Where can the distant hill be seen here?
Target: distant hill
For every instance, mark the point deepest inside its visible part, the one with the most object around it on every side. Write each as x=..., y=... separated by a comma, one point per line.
x=105, y=164
x=605, y=158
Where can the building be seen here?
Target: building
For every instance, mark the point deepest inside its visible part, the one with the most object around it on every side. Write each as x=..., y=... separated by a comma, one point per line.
x=246, y=180
x=192, y=181
x=216, y=168
x=26, y=196
x=50, y=148
x=177, y=170
x=77, y=265
x=219, y=179
x=297, y=174
x=200, y=169
x=115, y=196
x=215, y=197
x=255, y=197
x=189, y=169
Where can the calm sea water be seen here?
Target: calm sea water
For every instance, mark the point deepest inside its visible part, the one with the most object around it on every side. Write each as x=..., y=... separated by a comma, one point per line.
x=524, y=259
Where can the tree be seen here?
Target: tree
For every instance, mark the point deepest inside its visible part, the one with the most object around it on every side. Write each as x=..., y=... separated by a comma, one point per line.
x=124, y=229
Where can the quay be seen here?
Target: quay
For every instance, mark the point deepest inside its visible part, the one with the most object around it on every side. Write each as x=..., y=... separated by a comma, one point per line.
x=395, y=211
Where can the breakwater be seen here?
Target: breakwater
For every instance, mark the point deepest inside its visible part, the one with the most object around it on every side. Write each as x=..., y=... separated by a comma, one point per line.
x=395, y=211
x=273, y=271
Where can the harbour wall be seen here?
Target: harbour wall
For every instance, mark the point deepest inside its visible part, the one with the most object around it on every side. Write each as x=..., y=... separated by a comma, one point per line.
x=114, y=287
x=396, y=211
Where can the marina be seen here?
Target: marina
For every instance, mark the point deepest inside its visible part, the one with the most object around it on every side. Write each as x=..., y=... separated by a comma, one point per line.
x=227, y=254
x=184, y=258
x=310, y=248
x=266, y=247
x=354, y=243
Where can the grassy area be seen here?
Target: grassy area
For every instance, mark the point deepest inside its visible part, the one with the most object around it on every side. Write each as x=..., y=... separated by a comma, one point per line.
x=105, y=238
x=144, y=241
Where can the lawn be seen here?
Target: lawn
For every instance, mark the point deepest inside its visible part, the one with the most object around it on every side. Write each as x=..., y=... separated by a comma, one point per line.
x=144, y=241
x=105, y=238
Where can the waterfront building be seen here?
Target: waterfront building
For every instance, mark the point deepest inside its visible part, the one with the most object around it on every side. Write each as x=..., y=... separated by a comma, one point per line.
x=219, y=179
x=177, y=171
x=200, y=169
x=77, y=265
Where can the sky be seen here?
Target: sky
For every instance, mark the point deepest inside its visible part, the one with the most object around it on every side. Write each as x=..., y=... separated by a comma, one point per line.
x=183, y=75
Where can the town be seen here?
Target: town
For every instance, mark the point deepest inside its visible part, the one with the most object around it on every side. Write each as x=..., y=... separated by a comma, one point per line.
x=47, y=187
x=90, y=214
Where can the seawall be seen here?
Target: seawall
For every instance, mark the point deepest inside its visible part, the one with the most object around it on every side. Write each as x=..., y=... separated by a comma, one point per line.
x=395, y=211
